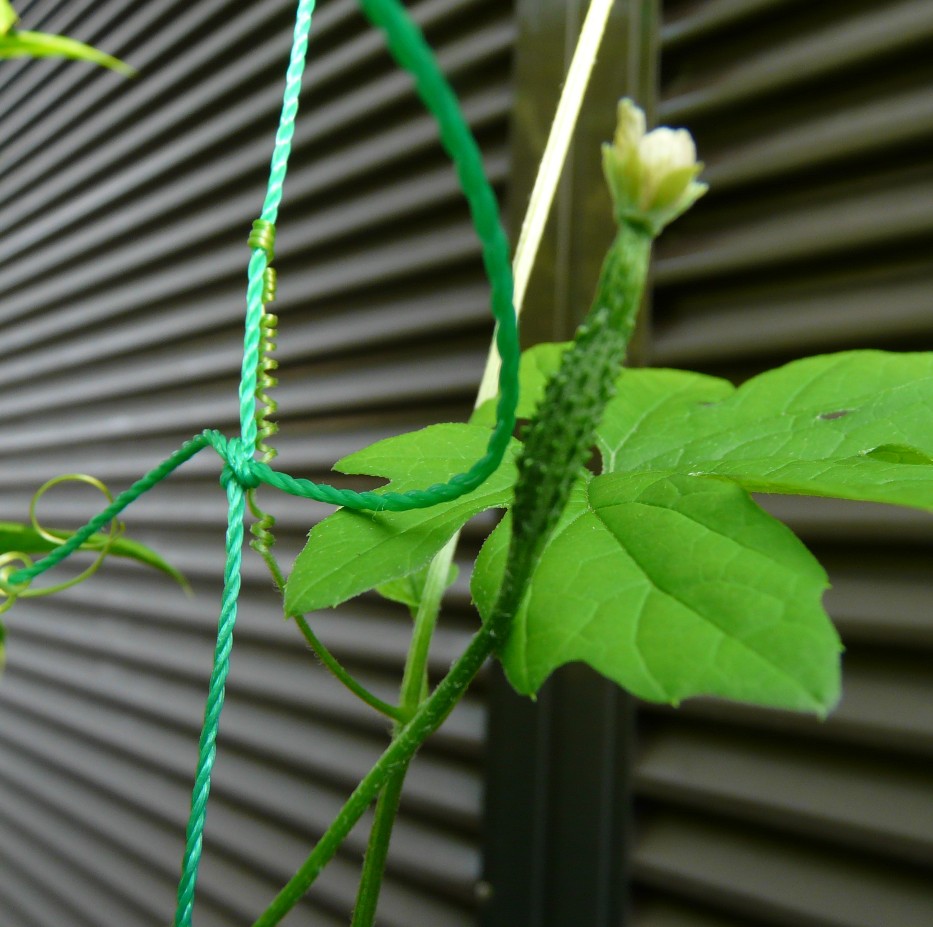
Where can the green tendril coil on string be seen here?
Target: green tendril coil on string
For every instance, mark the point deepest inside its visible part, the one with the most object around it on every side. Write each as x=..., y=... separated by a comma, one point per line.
x=242, y=472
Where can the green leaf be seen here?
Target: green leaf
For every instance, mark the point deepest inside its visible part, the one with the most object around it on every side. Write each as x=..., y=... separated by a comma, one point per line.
x=537, y=366
x=23, y=538
x=672, y=586
x=409, y=590
x=856, y=425
x=349, y=552
x=8, y=17
x=19, y=44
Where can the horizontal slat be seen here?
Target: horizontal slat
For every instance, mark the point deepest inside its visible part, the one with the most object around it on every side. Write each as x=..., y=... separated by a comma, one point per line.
x=117, y=889
x=878, y=34
x=800, y=229
x=785, y=883
x=867, y=127
x=840, y=521
x=808, y=314
x=233, y=884
x=199, y=362
x=694, y=20
x=273, y=664
x=215, y=406
x=886, y=705
x=37, y=897
x=276, y=795
x=339, y=755
x=386, y=264
x=155, y=135
x=883, y=602
x=103, y=239
x=860, y=801
x=651, y=911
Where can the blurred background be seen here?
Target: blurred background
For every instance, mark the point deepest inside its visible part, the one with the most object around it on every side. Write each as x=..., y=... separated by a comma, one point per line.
x=124, y=212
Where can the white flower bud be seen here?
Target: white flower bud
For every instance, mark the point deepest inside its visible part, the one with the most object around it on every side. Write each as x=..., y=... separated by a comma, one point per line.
x=652, y=176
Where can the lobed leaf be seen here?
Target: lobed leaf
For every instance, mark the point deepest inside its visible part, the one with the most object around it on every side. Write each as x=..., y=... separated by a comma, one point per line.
x=350, y=552
x=409, y=590
x=672, y=586
x=856, y=425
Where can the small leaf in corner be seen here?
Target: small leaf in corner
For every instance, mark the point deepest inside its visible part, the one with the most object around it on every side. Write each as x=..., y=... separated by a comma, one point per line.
x=408, y=590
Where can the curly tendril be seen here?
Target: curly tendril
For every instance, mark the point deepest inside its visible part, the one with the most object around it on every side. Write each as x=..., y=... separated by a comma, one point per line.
x=12, y=588
x=267, y=428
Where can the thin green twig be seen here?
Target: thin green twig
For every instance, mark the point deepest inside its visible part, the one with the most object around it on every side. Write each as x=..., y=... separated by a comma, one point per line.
x=429, y=717
x=414, y=691
x=331, y=662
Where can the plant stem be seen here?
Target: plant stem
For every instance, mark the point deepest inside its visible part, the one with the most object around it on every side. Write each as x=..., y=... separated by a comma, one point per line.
x=331, y=662
x=413, y=692
x=415, y=679
x=377, y=851
x=429, y=717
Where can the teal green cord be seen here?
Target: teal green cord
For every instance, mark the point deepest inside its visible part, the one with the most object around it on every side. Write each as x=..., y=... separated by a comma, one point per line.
x=154, y=476
x=242, y=471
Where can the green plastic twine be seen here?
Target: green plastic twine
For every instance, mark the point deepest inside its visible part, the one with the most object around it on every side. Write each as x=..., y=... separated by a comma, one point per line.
x=409, y=48
x=242, y=471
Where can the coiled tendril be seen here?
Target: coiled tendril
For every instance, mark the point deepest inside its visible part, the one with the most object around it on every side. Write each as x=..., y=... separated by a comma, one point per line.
x=11, y=589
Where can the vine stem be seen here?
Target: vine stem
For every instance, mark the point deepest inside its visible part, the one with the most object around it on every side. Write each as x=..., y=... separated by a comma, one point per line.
x=426, y=720
x=331, y=662
x=413, y=692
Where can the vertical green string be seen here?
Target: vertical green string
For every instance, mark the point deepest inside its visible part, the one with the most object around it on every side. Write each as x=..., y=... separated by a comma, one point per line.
x=235, y=477
x=270, y=211
x=207, y=749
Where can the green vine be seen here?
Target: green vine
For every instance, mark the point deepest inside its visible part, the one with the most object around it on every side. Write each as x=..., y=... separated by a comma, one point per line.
x=659, y=570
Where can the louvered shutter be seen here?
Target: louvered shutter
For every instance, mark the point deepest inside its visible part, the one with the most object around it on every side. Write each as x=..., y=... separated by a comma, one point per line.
x=124, y=207
x=814, y=120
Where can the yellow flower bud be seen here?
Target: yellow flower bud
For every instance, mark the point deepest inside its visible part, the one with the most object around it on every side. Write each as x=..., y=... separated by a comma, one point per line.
x=652, y=176
x=8, y=17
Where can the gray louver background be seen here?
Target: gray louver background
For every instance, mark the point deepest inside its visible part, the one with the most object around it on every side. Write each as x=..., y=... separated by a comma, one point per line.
x=816, y=122
x=124, y=208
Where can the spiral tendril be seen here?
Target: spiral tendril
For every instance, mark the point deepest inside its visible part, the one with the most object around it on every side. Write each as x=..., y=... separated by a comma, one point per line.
x=265, y=382
x=262, y=529
x=10, y=592
x=262, y=236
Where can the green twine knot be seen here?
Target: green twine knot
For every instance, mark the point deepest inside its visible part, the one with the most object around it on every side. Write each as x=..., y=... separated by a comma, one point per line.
x=239, y=465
